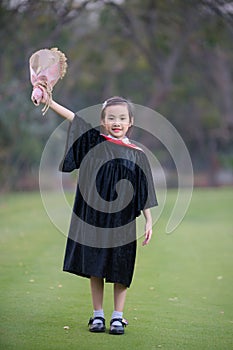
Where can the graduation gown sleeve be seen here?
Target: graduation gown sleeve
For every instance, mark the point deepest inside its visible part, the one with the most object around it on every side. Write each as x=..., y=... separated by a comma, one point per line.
x=145, y=186
x=81, y=138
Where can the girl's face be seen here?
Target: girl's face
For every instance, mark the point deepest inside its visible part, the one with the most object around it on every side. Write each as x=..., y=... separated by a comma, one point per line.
x=117, y=121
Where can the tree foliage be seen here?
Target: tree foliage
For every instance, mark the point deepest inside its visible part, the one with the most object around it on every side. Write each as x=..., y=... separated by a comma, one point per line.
x=173, y=56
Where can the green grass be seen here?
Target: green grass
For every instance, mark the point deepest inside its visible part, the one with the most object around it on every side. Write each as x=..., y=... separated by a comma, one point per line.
x=180, y=298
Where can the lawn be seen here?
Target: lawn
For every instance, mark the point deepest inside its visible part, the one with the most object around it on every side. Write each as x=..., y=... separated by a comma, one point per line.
x=180, y=298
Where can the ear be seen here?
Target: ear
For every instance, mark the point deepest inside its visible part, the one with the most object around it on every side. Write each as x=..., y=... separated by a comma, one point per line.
x=102, y=122
x=132, y=121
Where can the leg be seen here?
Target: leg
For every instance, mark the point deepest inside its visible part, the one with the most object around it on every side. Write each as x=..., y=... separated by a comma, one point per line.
x=119, y=297
x=117, y=324
x=97, y=292
x=97, y=323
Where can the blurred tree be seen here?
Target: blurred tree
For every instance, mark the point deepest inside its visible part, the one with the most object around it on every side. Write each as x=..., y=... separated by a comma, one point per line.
x=173, y=56
x=179, y=54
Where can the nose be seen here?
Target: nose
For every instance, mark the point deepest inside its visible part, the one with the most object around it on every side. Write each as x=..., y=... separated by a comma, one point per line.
x=116, y=122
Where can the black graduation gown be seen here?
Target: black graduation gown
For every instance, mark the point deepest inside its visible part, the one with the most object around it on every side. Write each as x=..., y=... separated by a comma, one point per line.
x=115, y=184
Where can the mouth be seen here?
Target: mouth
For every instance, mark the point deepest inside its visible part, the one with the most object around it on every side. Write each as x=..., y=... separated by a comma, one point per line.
x=116, y=130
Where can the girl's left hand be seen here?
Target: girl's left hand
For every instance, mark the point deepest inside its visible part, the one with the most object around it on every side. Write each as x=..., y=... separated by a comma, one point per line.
x=148, y=234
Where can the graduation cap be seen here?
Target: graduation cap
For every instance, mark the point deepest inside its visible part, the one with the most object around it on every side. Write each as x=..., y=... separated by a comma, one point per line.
x=46, y=66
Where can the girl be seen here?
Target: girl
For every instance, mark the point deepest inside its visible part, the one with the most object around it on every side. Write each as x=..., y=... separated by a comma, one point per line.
x=102, y=237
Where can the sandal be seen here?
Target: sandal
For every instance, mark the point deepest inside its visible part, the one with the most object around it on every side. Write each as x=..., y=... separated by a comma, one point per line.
x=97, y=327
x=118, y=329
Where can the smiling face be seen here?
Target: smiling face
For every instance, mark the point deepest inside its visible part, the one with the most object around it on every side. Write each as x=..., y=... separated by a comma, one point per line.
x=116, y=120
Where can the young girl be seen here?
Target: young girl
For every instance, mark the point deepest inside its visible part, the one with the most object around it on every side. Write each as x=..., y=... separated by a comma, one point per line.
x=102, y=238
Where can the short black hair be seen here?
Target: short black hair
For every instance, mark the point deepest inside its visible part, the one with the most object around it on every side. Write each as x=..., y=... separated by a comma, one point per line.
x=117, y=100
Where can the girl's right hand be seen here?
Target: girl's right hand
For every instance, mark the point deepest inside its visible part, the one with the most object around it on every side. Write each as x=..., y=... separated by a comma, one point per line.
x=40, y=95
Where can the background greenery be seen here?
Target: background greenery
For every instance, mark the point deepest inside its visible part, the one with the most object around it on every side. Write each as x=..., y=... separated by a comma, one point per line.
x=180, y=298
x=173, y=56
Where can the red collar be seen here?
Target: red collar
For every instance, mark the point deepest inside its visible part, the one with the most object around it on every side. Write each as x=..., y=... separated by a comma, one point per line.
x=120, y=142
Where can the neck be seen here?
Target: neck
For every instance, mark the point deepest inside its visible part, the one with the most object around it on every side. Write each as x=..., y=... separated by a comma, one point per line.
x=115, y=138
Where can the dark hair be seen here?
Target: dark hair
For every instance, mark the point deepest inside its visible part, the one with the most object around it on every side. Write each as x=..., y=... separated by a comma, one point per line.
x=117, y=100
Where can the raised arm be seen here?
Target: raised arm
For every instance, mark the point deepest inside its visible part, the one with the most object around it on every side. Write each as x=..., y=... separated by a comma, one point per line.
x=62, y=111
x=56, y=107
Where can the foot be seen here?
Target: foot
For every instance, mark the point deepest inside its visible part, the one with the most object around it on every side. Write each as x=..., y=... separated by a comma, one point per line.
x=97, y=327
x=117, y=326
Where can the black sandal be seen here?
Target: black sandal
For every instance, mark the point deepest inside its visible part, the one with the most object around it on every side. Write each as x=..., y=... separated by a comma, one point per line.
x=97, y=327
x=118, y=329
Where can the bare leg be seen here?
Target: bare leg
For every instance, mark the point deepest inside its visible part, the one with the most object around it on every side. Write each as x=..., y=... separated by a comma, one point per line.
x=97, y=292
x=119, y=296
x=97, y=323
x=116, y=324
